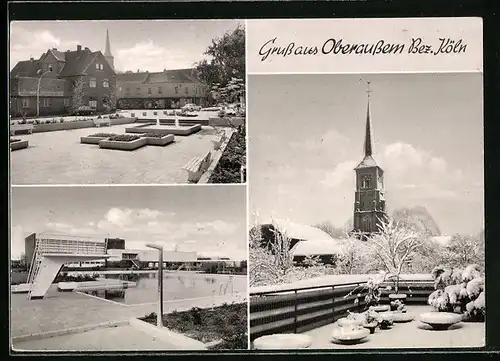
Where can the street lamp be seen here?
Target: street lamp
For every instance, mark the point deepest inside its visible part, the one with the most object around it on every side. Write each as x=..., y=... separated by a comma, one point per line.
x=159, y=315
x=38, y=90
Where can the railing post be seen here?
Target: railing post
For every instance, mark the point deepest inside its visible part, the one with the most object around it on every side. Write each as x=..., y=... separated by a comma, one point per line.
x=295, y=314
x=333, y=304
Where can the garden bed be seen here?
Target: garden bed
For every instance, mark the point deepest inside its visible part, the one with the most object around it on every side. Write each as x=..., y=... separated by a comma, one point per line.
x=228, y=170
x=96, y=138
x=158, y=139
x=226, y=324
x=16, y=144
x=165, y=129
x=123, y=142
x=226, y=121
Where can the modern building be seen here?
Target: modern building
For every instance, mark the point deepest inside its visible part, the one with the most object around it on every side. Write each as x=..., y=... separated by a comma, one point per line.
x=168, y=89
x=369, y=198
x=60, y=81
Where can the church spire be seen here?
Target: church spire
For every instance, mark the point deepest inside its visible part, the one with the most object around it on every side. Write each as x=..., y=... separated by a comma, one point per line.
x=368, y=131
x=107, y=52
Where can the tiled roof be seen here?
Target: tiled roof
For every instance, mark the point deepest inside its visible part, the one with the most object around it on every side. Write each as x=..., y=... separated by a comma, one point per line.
x=367, y=162
x=25, y=68
x=77, y=62
x=59, y=55
x=167, y=76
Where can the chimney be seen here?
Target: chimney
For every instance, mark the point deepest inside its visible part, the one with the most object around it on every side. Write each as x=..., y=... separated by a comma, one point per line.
x=87, y=48
x=54, y=49
x=78, y=48
x=32, y=59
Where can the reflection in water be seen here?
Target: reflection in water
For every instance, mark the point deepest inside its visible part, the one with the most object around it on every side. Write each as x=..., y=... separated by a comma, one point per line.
x=176, y=287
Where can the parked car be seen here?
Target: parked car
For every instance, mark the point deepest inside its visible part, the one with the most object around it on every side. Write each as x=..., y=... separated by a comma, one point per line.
x=85, y=110
x=191, y=107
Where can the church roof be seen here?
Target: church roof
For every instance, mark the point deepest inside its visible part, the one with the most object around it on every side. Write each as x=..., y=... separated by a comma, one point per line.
x=367, y=162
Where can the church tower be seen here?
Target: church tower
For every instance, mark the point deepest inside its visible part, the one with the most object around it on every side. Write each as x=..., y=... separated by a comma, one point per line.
x=107, y=52
x=369, y=199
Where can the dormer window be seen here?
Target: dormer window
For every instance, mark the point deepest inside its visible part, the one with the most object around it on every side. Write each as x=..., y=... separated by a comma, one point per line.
x=105, y=83
x=366, y=182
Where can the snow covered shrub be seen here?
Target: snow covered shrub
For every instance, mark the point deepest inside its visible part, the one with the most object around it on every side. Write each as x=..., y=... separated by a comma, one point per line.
x=459, y=291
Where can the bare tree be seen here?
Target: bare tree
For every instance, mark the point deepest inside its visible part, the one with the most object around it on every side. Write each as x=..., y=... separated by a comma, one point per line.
x=393, y=247
x=78, y=93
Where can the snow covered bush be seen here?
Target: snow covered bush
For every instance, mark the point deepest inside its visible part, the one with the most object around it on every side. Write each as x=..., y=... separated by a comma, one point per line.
x=459, y=291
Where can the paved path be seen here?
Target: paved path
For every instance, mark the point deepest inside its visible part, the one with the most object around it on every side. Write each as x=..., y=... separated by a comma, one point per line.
x=59, y=158
x=120, y=338
x=408, y=335
x=60, y=310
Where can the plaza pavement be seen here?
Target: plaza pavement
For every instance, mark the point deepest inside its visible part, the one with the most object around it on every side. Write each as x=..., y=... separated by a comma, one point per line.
x=61, y=310
x=413, y=334
x=59, y=158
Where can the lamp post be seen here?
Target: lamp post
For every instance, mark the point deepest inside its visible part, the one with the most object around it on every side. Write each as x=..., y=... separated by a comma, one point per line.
x=38, y=91
x=159, y=322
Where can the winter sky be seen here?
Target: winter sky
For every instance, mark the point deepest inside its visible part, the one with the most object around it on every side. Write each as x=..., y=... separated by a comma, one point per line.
x=146, y=45
x=210, y=220
x=306, y=136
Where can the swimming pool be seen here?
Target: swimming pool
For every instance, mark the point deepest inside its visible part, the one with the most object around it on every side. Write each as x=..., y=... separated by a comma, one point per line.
x=175, y=287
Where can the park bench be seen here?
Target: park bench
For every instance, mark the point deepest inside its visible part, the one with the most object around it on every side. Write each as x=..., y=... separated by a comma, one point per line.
x=196, y=167
x=21, y=127
x=99, y=122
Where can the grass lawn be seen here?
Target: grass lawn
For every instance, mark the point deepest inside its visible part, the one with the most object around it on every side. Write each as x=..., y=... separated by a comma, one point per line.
x=227, y=323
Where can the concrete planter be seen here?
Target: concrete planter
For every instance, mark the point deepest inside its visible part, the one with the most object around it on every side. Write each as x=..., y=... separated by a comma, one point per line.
x=19, y=145
x=226, y=122
x=167, y=139
x=118, y=145
x=121, y=121
x=440, y=320
x=182, y=130
x=92, y=140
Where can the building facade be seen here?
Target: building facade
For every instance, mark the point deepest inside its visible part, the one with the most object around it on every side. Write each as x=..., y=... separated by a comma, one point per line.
x=62, y=82
x=369, y=199
x=169, y=89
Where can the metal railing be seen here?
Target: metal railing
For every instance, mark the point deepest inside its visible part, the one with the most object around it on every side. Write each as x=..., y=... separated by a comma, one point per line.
x=297, y=310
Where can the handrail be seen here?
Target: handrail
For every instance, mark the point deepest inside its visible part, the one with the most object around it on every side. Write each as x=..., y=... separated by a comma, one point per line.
x=305, y=288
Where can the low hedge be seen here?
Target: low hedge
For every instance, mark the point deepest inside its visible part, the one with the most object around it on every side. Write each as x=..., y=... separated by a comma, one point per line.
x=228, y=170
x=124, y=138
x=103, y=135
x=153, y=135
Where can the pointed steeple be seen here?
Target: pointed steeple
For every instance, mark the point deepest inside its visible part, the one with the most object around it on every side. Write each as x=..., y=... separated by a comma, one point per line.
x=368, y=131
x=107, y=52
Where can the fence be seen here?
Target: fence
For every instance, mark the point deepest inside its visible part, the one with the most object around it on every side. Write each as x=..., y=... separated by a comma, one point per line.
x=298, y=310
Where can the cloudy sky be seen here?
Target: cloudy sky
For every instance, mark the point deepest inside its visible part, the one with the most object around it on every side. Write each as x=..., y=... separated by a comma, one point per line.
x=306, y=135
x=146, y=45
x=210, y=220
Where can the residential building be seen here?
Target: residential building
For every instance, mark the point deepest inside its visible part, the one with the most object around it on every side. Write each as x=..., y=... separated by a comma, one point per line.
x=59, y=78
x=169, y=89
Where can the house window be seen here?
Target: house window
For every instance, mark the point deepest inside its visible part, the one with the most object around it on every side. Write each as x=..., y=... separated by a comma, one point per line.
x=155, y=113
x=26, y=103
x=105, y=83
x=176, y=90
x=366, y=182
x=93, y=103
x=102, y=66
x=127, y=90
x=66, y=102
x=160, y=91
x=93, y=82
x=149, y=91
x=138, y=90
x=97, y=66
x=46, y=102
x=144, y=114
x=186, y=90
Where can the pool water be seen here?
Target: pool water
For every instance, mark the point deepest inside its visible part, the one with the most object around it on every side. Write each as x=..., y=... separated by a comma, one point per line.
x=175, y=287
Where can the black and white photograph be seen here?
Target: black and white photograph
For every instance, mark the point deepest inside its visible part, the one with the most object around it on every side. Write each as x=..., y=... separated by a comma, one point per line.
x=127, y=102
x=366, y=200
x=93, y=268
